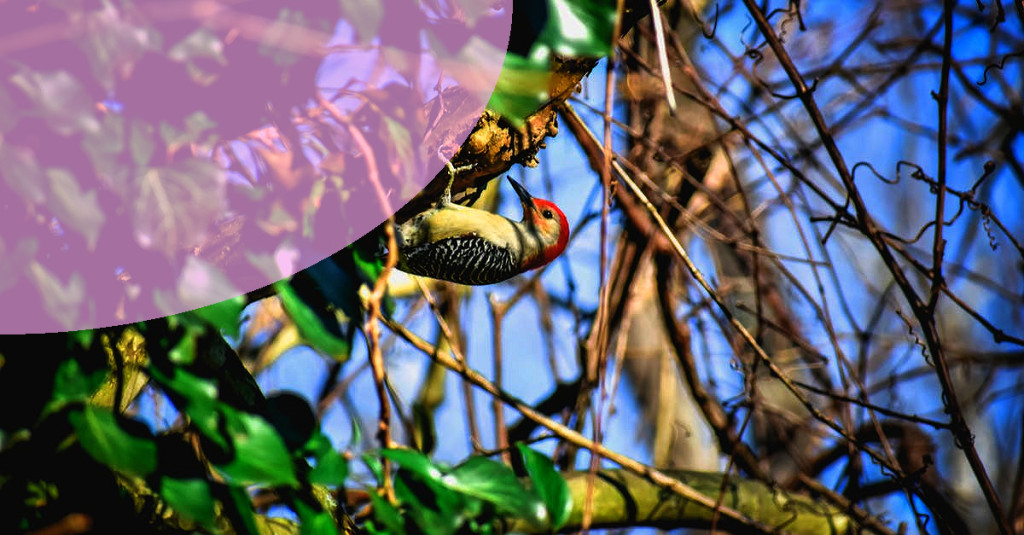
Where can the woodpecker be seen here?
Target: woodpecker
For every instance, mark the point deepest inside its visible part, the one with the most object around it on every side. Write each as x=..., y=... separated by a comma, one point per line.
x=475, y=247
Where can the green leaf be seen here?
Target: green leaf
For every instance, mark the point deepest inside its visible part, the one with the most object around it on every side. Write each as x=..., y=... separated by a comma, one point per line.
x=579, y=28
x=313, y=521
x=260, y=455
x=72, y=383
x=191, y=498
x=104, y=148
x=78, y=210
x=368, y=265
x=60, y=99
x=433, y=507
x=355, y=434
x=201, y=282
x=476, y=51
x=225, y=316
x=386, y=514
x=15, y=260
x=318, y=444
x=200, y=397
x=548, y=484
x=200, y=44
x=400, y=141
x=197, y=46
x=365, y=17
x=141, y=142
x=100, y=435
x=375, y=467
x=334, y=283
x=82, y=338
x=242, y=503
x=174, y=206
x=113, y=43
x=309, y=323
x=289, y=26
x=195, y=125
x=495, y=483
x=414, y=462
x=521, y=89
x=331, y=469
x=331, y=466
x=575, y=28
x=61, y=301
x=184, y=352
x=22, y=173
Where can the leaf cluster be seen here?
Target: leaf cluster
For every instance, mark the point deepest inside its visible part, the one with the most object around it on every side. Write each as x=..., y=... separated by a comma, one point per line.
x=478, y=495
x=541, y=31
x=201, y=474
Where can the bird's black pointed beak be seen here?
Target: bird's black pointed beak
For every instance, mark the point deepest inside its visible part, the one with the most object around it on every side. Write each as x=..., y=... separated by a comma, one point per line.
x=524, y=196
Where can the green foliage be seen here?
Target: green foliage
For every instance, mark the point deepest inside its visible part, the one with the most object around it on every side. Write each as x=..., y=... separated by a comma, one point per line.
x=61, y=300
x=331, y=467
x=475, y=496
x=366, y=17
x=111, y=444
x=151, y=158
x=578, y=28
x=223, y=315
x=317, y=324
x=79, y=209
x=314, y=521
x=243, y=447
x=110, y=165
x=324, y=300
x=246, y=447
x=201, y=44
x=239, y=501
x=60, y=99
x=189, y=497
x=548, y=485
x=259, y=454
x=74, y=383
x=116, y=125
x=572, y=28
x=175, y=203
x=385, y=516
x=496, y=484
x=521, y=89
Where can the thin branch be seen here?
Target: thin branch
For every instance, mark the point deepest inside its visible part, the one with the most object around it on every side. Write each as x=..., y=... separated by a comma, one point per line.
x=961, y=431
x=657, y=477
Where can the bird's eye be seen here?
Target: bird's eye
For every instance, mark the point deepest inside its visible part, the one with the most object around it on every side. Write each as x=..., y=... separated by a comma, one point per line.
x=548, y=214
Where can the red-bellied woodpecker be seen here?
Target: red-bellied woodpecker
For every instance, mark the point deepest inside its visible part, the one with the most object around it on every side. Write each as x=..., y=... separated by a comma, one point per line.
x=471, y=246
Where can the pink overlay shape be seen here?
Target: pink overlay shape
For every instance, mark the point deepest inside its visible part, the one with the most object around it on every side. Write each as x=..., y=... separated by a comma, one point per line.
x=163, y=156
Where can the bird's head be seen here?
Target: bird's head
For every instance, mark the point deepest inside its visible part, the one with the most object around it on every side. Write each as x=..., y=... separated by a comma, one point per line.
x=547, y=221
